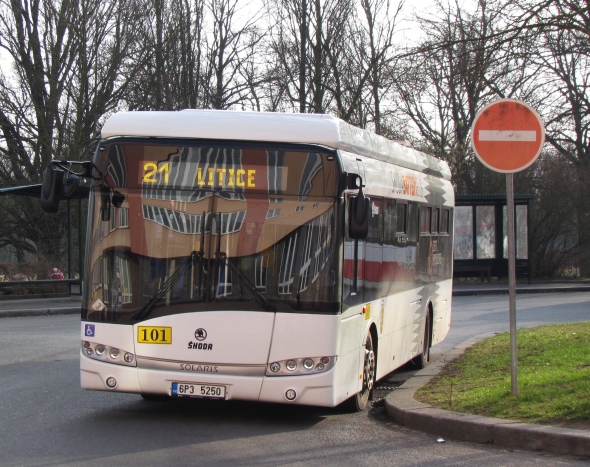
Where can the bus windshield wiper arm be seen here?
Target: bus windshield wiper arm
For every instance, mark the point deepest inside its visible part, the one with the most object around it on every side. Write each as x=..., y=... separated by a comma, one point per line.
x=166, y=286
x=261, y=299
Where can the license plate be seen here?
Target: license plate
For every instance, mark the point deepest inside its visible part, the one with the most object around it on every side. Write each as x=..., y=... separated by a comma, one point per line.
x=198, y=390
x=154, y=335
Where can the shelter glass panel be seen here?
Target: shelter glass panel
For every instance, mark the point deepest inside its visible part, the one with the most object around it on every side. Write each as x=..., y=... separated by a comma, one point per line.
x=464, y=232
x=486, y=232
x=521, y=231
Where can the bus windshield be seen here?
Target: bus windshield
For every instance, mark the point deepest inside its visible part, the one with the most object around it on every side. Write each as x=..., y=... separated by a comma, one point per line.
x=211, y=226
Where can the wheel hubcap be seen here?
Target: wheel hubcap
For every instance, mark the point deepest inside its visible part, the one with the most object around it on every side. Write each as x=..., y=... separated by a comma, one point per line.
x=369, y=371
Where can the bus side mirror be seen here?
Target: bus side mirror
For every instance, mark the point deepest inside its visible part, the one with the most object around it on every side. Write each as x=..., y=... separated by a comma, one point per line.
x=358, y=216
x=51, y=188
x=69, y=185
x=55, y=184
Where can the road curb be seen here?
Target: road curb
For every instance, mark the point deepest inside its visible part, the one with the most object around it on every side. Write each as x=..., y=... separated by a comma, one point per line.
x=401, y=406
x=502, y=291
x=40, y=312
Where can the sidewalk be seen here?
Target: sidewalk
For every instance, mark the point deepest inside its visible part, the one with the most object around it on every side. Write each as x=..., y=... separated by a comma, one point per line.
x=501, y=287
x=401, y=406
x=40, y=306
x=71, y=305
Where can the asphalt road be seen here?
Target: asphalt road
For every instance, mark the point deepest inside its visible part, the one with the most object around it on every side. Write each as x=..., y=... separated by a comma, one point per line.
x=47, y=420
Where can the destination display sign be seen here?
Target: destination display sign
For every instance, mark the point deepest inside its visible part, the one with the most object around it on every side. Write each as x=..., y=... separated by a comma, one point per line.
x=211, y=177
x=159, y=169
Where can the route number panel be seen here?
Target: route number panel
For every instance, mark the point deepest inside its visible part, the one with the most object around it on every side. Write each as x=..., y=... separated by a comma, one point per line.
x=154, y=335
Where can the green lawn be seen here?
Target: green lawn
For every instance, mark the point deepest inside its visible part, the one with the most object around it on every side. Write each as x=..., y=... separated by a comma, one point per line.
x=553, y=377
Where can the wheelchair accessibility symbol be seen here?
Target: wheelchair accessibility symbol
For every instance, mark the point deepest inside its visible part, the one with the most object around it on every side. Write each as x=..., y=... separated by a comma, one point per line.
x=89, y=330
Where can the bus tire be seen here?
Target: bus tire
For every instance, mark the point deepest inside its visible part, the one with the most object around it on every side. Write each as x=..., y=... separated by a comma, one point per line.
x=422, y=360
x=358, y=402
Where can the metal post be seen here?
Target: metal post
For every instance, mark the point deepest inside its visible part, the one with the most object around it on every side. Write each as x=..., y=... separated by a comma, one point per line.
x=511, y=281
x=80, y=254
x=69, y=241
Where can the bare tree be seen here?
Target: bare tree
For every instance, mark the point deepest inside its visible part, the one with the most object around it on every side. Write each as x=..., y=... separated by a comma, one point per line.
x=107, y=57
x=554, y=234
x=307, y=38
x=563, y=56
x=290, y=45
x=380, y=39
x=66, y=75
x=170, y=76
x=229, y=73
x=442, y=87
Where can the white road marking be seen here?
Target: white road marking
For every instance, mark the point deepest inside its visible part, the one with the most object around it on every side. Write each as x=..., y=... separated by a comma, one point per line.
x=507, y=135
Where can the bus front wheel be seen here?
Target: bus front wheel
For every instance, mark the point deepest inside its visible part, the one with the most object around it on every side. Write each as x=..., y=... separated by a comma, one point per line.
x=422, y=360
x=358, y=402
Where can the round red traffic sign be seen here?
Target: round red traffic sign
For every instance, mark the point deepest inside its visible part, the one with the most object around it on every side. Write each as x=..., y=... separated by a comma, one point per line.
x=507, y=135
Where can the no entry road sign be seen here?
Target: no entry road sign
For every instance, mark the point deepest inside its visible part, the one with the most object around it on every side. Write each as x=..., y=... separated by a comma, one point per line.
x=507, y=135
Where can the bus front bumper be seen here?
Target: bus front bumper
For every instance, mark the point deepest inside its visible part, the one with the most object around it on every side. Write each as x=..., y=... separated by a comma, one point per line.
x=316, y=389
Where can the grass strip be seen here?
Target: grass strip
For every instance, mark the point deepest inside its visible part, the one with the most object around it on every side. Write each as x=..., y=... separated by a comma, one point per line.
x=553, y=377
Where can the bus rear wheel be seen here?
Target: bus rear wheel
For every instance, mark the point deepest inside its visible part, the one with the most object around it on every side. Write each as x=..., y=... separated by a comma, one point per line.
x=358, y=402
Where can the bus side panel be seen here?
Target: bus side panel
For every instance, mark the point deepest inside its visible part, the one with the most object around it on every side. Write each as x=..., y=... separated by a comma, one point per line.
x=349, y=361
x=441, y=320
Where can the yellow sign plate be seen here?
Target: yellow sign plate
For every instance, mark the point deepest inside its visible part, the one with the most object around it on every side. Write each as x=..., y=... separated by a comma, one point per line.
x=154, y=335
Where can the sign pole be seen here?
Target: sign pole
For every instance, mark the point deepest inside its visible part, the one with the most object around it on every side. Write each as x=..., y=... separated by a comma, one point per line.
x=507, y=136
x=512, y=281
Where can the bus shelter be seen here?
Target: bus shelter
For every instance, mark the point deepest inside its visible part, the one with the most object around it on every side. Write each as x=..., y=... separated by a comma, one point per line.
x=80, y=194
x=481, y=241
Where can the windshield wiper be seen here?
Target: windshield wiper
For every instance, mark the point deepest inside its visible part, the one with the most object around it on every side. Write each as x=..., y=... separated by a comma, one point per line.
x=261, y=299
x=166, y=286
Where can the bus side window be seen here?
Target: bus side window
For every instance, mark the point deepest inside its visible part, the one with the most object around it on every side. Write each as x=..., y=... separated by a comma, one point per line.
x=413, y=211
x=434, y=222
x=444, y=221
x=372, y=258
x=425, y=217
x=389, y=221
x=402, y=218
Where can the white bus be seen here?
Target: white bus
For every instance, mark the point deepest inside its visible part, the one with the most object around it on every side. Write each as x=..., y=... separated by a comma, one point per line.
x=286, y=258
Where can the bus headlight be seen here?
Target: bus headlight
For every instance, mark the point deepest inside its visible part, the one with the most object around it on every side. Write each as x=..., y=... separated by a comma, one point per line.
x=108, y=354
x=300, y=366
